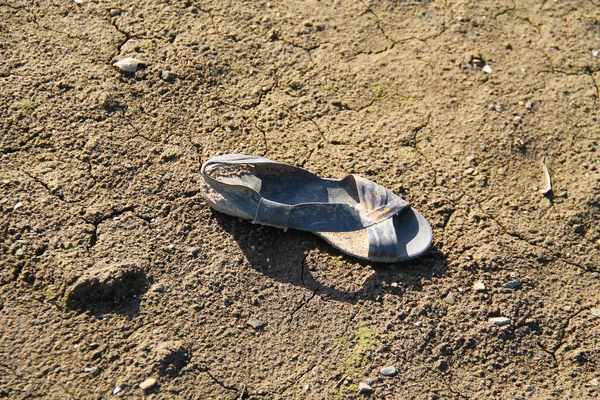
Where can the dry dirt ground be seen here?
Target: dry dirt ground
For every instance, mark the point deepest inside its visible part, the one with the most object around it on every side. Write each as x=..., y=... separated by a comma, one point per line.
x=114, y=270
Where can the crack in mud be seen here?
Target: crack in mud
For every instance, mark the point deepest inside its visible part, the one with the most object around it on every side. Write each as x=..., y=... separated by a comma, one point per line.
x=388, y=37
x=300, y=306
x=54, y=192
x=549, y=352
x=562, y=333
x=127, y=35
x=506, y=11
x=294, y=381
x=99, y=219
x=303, y=269
x=217, y=381
x=379, y=23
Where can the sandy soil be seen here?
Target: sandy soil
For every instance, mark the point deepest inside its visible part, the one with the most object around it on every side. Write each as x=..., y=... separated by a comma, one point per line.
x=113, y=269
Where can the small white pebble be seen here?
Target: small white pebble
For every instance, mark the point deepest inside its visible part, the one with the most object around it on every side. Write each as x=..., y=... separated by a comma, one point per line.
x=128, y=64
x=487, y=69
x=500, y=321
x=148, y=384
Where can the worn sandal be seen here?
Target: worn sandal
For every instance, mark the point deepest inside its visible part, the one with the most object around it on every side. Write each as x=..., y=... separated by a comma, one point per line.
x=354, y=215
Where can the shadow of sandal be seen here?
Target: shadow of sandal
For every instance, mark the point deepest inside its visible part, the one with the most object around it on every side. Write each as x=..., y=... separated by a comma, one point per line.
x=298, y=258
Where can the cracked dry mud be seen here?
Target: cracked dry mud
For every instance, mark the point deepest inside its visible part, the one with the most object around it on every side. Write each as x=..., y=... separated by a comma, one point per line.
x=114, y=270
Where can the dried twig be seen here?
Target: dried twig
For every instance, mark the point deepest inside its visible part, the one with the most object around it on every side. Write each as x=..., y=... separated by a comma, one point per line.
x=337, y=385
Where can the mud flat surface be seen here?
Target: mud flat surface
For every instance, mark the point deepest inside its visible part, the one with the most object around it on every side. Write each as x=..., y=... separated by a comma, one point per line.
x=114, y=271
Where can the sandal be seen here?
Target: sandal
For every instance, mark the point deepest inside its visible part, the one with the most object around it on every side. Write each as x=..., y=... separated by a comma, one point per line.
x=354, y=215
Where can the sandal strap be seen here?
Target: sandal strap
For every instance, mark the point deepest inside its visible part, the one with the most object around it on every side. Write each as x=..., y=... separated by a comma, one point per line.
x=383, y=241
x=378, y=203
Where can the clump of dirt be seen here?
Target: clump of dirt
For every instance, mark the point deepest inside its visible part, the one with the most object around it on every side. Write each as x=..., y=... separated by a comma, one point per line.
x=107, y=287
x=170, y=357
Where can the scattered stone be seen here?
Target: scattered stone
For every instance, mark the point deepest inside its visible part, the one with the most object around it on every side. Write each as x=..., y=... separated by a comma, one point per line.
x=193, y=251
x=17, y=206
x=487, y=69
x=256, y=323
x=90, y=369
x=479, y=286
x=529, y=388
x=170, y=357
x=518, y=119
x=364, y=388
x=116, y=390
x=388, y=371
x=513, y=284
x=595, y=53
x=595, y=382
x=595, y=312
x=499, y=107
x=500, y=321
x=20, y=252
x=148, y=384
x=114, y=12
x=129, y=65
x=442, y=365
x=450, y=299
x=167, y=76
